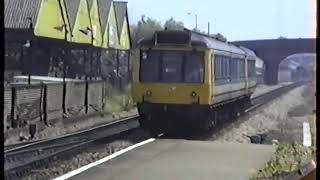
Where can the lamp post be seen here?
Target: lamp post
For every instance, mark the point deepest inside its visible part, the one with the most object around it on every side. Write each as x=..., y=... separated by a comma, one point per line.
x=196, y=16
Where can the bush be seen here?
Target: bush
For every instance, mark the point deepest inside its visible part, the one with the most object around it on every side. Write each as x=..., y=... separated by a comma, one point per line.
x=288, y=158
x=117, y=100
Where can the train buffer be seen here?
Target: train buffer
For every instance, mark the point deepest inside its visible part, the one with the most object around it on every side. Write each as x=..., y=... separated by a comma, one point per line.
x=180, y=159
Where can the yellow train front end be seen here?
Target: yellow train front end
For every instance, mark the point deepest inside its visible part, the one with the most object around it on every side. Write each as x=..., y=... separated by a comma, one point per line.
x=171, y=85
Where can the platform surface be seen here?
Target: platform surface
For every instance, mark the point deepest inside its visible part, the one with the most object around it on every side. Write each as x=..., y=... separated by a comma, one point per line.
x=186, y=160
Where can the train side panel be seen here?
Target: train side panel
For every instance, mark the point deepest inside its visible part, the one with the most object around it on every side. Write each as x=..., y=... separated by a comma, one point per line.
x=228, y=88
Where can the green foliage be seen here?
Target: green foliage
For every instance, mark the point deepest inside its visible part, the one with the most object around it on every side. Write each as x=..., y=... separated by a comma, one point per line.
x=145, y=28
x=118, y=101
x=199, y=31
x=171, y=24
x=282, y=37
x=288, y=158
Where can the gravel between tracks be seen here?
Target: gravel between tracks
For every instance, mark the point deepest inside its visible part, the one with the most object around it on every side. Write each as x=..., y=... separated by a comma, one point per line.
x=263, y=88
x=61, y=128
x=280, y=119
x=91, y=154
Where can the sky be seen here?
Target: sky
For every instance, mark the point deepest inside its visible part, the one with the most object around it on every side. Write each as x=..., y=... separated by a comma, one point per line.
x=235, y=19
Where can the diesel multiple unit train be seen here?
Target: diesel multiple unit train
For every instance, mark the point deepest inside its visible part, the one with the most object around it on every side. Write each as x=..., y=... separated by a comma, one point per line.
x=185, y=79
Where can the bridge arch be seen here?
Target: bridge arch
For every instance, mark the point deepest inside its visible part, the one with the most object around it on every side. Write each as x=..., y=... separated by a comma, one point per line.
x=289, y=66
x=273, y=51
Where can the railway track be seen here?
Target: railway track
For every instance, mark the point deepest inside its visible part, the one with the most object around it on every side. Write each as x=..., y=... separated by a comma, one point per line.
x=256, y=102
x=21, y=159
x=267, y=97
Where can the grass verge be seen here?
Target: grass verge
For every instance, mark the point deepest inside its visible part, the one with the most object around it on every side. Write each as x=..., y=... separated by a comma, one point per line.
x=288, y=158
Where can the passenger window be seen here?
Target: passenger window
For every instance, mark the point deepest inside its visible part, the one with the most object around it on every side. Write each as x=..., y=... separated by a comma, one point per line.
x=218, y=67
x=194, y=68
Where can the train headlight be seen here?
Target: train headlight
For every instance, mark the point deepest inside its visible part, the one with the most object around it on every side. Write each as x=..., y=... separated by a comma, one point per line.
x=149, y=93
x=193, y=94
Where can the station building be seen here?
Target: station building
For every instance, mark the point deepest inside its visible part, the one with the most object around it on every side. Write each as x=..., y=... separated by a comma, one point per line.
x=70, y=38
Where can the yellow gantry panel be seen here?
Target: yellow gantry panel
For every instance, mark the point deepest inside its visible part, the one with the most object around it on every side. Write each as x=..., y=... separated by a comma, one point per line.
x=82, y=24
x=50, y=22
x=110, y=36
x=96, y=27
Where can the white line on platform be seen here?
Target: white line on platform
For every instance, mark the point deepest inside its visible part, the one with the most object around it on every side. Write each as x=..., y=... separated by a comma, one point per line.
x=86, y=167
x=306, y=135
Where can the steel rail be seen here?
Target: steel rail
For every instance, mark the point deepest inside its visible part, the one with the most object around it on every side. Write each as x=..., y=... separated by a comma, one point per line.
x=22, y=158
x=256, y=102
x=268, y=96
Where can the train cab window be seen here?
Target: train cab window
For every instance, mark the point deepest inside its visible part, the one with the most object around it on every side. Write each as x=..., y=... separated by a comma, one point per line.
x=149, y=66
x=171, y=67
x=194, y=68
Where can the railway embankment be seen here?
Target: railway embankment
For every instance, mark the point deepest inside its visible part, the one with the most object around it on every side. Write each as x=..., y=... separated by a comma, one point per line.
x=280, y=123
x=55, y=111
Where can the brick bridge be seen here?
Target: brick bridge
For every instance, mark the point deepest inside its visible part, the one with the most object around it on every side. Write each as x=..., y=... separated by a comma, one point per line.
x=273, y=51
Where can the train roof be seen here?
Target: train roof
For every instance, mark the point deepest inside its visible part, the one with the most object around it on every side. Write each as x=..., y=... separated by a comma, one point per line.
x=249, y=52
x=193, y=39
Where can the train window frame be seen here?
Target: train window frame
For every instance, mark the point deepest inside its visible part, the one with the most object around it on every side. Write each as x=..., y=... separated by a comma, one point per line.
x=218, y=67
x=184, y=53
x=232, y=65
x=242, y=68
x=181, y=67
x=140, y=67
x=222, y=63
x=226, y=67
x=251, y=68
x=202, y=56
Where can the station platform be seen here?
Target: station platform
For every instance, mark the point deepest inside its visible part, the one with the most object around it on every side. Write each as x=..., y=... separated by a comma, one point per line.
x=165, y=159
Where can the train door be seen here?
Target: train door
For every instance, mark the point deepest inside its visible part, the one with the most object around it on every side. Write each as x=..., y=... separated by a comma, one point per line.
x=246, y=75
x=227, y=73
x=212, y=77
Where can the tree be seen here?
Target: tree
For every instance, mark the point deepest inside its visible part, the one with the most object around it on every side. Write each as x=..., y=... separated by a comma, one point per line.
x=171, y=24
x=144, y=28
x=282, y=37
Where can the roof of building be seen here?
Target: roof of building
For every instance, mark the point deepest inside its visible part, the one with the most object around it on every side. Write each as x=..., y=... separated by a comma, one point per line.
x=72, y=7
x=121, y=13
x=104, y=9
x=19, y=14
x=90, y=2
